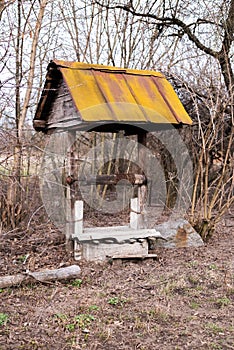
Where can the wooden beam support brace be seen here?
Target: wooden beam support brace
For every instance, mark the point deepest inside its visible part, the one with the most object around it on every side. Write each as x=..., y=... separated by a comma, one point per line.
x=134, y=179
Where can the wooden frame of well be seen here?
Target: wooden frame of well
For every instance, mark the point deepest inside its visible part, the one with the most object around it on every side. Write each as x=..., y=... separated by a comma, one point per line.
x=114, y=242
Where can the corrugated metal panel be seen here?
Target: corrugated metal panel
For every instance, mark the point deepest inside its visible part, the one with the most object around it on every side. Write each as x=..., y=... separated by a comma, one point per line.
x=103, y=93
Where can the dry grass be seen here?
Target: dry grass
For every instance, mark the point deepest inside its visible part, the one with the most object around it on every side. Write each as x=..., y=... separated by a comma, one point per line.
x=185, y=300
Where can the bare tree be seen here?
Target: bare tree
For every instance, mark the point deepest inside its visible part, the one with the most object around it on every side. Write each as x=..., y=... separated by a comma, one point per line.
x=102, y=36
x=20, y=70
x=179, y=19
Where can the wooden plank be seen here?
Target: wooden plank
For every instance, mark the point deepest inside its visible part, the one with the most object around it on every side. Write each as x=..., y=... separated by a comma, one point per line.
x=63, y=108
x=135, y=256
x=37, y=123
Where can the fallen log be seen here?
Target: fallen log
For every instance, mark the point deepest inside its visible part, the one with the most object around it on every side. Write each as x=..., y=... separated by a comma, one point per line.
x=63, y=273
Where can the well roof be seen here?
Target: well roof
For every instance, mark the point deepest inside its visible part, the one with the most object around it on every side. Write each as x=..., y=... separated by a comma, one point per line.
x=104, y=95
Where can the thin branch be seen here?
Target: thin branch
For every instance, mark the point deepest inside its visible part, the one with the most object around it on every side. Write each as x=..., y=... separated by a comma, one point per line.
x=168, y=21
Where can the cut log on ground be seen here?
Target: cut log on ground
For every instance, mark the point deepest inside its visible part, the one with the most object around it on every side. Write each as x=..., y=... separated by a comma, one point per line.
x=64, y=273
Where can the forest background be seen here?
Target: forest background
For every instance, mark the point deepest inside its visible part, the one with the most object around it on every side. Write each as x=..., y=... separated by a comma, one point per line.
x=191, y=42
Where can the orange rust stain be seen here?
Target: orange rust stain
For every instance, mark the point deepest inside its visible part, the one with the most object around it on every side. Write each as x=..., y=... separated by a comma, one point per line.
x=181, y=238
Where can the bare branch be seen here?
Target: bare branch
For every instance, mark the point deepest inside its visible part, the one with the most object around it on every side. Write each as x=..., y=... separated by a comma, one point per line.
x=167, y=21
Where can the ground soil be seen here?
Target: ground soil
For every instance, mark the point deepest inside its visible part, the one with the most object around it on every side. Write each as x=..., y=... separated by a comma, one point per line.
x=182, y=300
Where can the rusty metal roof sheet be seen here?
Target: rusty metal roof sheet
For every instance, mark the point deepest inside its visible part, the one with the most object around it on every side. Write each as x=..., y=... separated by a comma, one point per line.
x=109, y=94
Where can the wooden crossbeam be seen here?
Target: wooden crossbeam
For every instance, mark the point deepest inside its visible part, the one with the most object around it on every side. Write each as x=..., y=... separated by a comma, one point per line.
x=134, y=179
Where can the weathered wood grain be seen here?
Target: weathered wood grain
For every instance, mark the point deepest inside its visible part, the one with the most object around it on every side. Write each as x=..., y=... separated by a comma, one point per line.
x=63, y=273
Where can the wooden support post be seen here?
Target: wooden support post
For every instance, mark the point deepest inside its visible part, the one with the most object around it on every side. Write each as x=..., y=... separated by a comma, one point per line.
x=142, y=190
x=79, y=210
x=135, y=216
x=70, y=193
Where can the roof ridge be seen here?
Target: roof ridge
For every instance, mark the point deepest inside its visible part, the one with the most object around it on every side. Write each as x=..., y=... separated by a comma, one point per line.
x=103, y=68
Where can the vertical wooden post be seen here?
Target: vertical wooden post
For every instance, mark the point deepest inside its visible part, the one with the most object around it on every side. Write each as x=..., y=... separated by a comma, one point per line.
x=142, y=190
x=79, y=209
x=70, y=193
x=135, y=218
